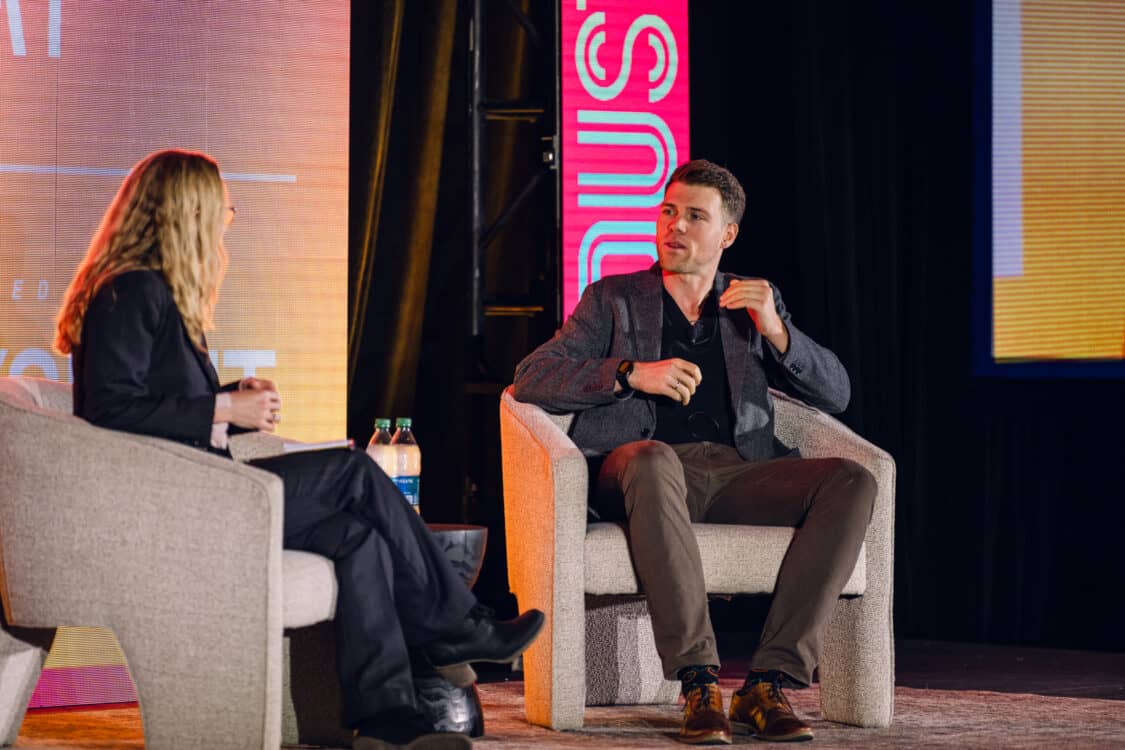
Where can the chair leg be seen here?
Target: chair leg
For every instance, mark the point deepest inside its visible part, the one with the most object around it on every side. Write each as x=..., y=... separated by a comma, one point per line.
x=204, y=684
x=311, y=706
x=857, y=665
x=21, y=662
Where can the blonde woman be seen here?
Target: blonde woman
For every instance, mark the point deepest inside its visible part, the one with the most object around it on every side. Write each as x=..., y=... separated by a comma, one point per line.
x=134, y=320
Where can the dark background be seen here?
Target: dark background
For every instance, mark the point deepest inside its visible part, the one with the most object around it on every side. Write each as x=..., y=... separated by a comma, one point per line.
x=851, y=127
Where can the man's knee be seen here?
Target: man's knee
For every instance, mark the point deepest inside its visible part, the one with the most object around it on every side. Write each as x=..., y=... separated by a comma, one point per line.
x=650, y=458
x=647, y=452
x=653, y=470
x=857, y=484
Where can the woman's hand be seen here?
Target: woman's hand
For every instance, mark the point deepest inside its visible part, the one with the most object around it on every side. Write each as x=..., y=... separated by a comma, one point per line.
x=256, y=384
x=252, y=409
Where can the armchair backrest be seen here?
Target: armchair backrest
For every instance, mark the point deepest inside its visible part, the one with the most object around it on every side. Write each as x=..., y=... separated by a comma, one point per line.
x=24, y=403
x=563, y=421
x=49, y=395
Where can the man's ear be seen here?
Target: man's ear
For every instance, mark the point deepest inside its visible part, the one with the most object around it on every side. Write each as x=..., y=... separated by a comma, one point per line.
x=729, y=234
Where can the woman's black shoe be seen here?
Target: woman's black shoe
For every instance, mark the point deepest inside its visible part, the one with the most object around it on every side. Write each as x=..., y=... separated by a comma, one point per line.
x=484, y=638
x=448, y=708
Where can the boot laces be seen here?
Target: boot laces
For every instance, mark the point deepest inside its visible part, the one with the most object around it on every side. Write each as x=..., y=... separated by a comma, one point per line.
x=774, y=694
x=703, y=697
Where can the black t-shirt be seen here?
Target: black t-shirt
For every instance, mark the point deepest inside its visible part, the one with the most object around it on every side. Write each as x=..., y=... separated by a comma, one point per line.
x=707, y=417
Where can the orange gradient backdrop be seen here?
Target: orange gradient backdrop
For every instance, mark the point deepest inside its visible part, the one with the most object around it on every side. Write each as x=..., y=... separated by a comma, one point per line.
x=1069, y=300
x=263, y=87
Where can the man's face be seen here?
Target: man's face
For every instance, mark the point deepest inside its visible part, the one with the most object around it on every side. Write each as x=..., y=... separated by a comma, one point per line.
x=693, y=230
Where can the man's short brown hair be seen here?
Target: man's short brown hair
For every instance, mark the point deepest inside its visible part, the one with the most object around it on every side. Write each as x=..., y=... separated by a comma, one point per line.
x=709, y=174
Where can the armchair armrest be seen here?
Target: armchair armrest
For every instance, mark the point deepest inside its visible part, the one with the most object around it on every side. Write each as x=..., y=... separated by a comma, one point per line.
x=545, y=495
x=858, y=647
x=819, y=436
x=90, y=517
x=176, y=550
x=246, y=446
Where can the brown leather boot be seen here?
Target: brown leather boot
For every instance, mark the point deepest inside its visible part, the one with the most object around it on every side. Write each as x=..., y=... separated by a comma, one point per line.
x=704, y=720
x=764, y=711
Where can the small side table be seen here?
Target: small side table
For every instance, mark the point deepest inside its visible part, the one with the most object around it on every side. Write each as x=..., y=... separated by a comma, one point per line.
x=464, y=545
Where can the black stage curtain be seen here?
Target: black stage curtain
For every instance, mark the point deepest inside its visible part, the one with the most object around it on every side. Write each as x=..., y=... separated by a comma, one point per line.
x=402, y=63
x=851, y=123
x=409, y=353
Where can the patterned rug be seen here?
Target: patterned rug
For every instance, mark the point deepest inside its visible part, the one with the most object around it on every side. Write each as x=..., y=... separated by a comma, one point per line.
x=923, y=719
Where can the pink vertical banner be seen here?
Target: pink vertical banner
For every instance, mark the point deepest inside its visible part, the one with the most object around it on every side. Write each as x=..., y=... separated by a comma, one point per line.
x=624, y=113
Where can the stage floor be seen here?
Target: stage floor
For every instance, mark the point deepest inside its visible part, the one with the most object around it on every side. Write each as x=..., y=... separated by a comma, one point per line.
x=948, y=695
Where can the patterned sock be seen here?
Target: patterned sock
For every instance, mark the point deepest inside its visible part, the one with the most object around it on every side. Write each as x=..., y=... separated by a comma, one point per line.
x=754, y=676
x=696, y=675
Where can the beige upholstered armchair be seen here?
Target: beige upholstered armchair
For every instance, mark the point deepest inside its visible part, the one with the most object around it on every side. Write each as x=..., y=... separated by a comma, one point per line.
x=179, y=553
x=598, y=647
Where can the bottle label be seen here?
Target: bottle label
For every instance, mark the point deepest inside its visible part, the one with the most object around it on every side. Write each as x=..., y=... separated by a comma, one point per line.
x=409, y=487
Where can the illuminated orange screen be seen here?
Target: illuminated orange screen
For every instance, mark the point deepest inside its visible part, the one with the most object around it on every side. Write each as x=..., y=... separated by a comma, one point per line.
x=88, y=88
x=1065, y=297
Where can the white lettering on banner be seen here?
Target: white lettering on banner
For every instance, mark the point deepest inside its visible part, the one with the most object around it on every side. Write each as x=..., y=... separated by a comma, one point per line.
x=248, y=359
x=54, y=28
x=39, y=359
x=34, y=358
x=624, y=131
x=660, y=38
x=42, y=289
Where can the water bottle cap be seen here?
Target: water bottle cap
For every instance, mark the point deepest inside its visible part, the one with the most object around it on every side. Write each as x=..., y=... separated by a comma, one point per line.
x=382, y=423
x=403, y=422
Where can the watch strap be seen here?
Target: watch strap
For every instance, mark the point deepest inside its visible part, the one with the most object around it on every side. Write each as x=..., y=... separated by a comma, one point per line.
x=624, y=370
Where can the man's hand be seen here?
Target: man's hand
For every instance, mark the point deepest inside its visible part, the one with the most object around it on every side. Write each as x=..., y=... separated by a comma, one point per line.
x=756, y=295
x=252, y=409
x=256, y=384
x=675, y=378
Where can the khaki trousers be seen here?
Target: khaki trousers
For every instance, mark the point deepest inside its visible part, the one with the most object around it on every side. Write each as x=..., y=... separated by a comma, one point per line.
x=658, y=490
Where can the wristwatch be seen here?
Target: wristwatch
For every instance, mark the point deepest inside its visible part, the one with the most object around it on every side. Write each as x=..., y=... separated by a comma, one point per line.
x=624, y=370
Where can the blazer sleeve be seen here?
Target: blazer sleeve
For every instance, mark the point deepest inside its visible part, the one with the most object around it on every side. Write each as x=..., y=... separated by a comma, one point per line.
x=119, y=337
x=571, y=372
x=807, y=370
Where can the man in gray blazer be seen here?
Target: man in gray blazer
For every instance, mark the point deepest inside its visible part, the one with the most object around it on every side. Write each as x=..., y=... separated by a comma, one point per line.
x=668, y=370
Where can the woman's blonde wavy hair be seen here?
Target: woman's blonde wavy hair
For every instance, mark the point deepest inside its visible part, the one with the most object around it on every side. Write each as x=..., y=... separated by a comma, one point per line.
x=167, y=216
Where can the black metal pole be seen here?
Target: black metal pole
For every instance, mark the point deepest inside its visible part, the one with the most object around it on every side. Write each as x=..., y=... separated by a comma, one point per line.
x=476, y=155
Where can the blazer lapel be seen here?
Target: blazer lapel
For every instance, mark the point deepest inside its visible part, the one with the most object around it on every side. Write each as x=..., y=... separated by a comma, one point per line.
x=648, y=314
x=205, y=362
x=736, y=345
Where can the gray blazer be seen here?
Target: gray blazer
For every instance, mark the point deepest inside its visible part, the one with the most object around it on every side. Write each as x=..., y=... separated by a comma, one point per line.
x=621, y=317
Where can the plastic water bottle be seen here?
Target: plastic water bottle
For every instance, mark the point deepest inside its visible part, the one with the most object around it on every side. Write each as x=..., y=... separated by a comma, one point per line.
x=408, y=462
x=380, y=448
